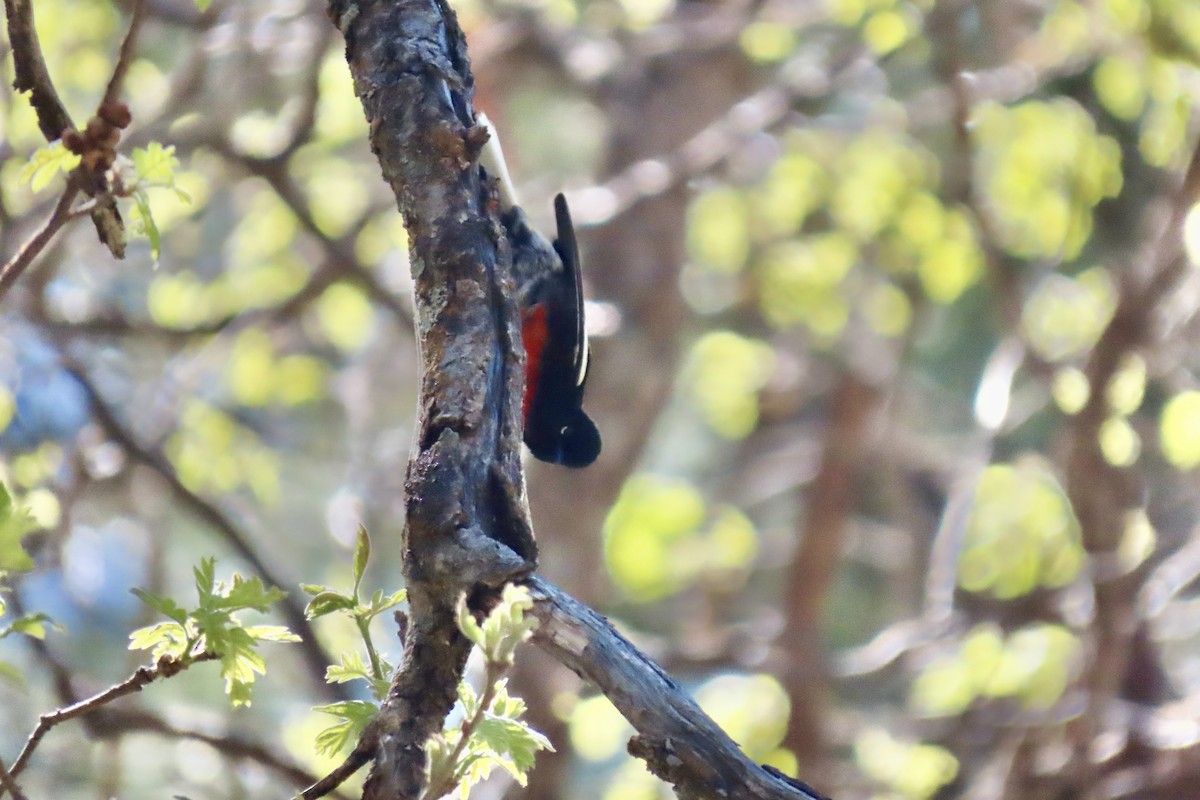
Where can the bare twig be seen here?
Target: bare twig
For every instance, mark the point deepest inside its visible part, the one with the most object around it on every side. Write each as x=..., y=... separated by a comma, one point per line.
x=61, y=215
x=31, y=73
x=113, y=722
x=1103, y=495
x=343, y=264
x=8, y=783
x=125, y=56
x=53, y=119
x=230, y=746
x=363, y=752
x=142, y=677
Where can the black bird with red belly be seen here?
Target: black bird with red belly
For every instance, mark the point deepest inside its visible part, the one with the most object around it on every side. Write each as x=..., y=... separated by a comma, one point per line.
x=557, y=429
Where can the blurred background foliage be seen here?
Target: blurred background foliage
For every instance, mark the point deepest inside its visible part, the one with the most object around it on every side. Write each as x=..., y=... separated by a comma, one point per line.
x=872, y=344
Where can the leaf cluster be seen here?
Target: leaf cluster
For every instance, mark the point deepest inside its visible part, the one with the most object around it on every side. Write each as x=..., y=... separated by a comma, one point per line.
x=375, y=671
x=15, y=523
x=213, y=630
x=490, y=732
x=151, y=167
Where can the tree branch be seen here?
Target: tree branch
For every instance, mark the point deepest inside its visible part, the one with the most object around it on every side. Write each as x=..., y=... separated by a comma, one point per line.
x=53, y=120
x=467, y=526
x=61, y=215
x=1103, y=495
x=9, y=784
x=31, y=73
x=142, y=677
x=363, y=752
x=679, y=743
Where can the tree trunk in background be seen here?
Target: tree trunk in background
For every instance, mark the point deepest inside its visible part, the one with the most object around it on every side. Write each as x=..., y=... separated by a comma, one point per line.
x=829, y=505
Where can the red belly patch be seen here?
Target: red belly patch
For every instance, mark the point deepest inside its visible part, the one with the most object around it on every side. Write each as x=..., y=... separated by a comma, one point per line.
x=534, y=333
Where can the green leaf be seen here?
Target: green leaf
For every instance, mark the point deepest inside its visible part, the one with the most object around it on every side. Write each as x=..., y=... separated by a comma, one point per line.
x=362, y=554
x=513, y=744
x=47, y=162
x=328, y=602
x=249, y=594
x=271, y=633
x=202, y=5
x=11, y=674
x=467, y=624
x=331, y=740
x=356, y=710
x=164, y=639
x=240, y=662
x=381, y=602
x=206, y=579
x=355, y=714
x=468, y=698
x=155, y=165
x=143, y=222
x=475, y=766
x=440, y=766
x=163, y=605
x=352, y=668
x=15, y=522
x=239, y=693
x=505, y=627
x=31, y=625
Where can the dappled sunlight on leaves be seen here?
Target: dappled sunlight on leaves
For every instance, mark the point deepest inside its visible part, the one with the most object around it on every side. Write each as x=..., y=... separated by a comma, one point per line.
x=657, y=541
x=257, y=375
x=1044, y=168
x=1065, y=316
x=345, y=316
x=752, y=709
x=911, y=769
x=1021, y=533
x=598, y=731
x=214, y=453
x=724, y=375
x=718, y=231
x=1179, y=430
x=1031, y=665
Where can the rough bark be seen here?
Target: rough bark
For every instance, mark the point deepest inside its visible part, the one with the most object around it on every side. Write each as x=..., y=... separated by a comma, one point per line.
x=466, y=524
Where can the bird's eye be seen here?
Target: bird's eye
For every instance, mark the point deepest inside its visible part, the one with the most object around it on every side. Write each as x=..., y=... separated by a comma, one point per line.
x=565, y=430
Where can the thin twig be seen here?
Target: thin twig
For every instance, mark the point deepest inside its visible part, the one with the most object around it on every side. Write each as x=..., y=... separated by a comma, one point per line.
x=8, y=783
x=31, y=73
x=119, y=722
x=363, y=752
x=230, y=746
x=61, y=215
x=340, y=252
x=53, y=119
x=1101, y=494
x=125, y=55
x=142, y=677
